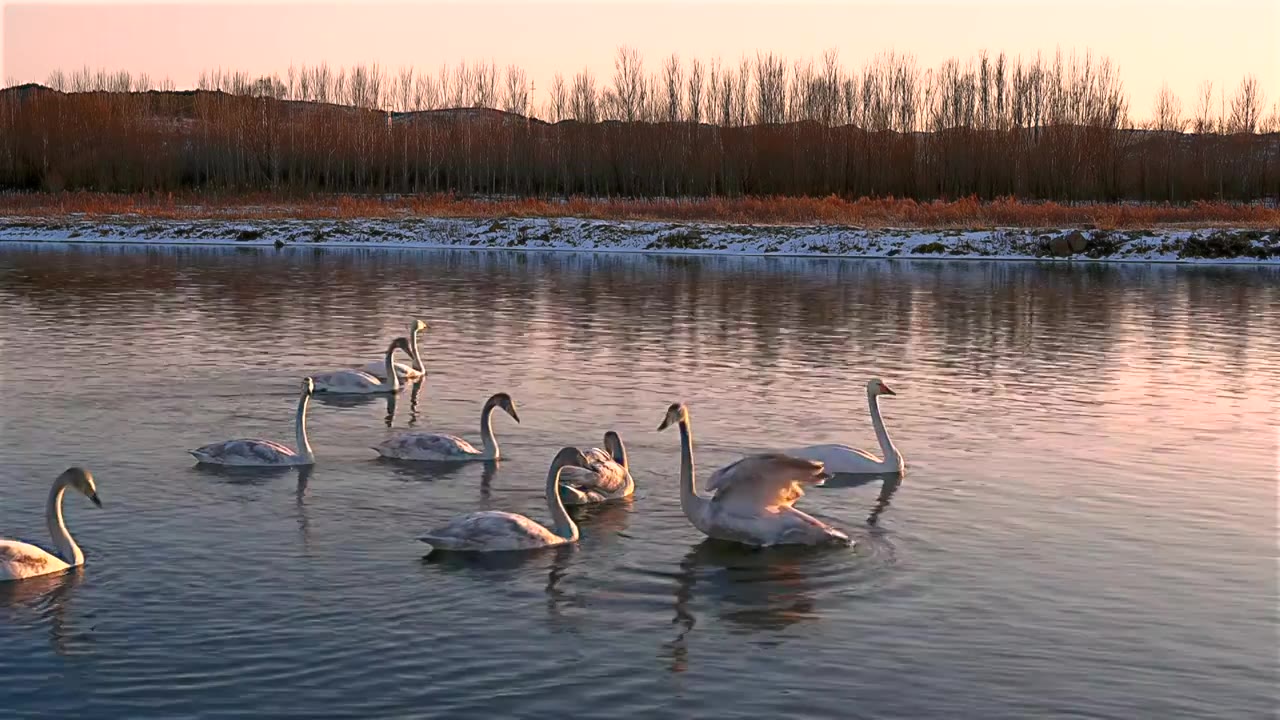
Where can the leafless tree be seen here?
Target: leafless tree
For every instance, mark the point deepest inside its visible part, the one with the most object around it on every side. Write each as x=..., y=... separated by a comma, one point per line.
x=673, y=86
x=627, y=97
x=1166, y=116
x=694, y=93
x=1246, y=107
x=517, y=91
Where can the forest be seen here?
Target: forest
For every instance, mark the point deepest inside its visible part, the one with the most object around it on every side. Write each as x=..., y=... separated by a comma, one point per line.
x=1054, y=128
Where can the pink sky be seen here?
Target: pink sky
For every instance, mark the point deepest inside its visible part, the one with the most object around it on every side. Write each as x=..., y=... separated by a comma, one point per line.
x=1180, y=42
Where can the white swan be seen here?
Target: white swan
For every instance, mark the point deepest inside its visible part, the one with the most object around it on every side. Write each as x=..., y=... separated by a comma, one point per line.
x=406, y=373
x=438, y=447
x=844, y=459
x=19, y=560
x=265, y=453
x=495, y=530
x=606, y=477
x=752, y=502
x=358, y=382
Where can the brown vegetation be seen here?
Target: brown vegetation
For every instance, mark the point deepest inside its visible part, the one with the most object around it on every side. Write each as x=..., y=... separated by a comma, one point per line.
x=864, y=212
x=994, y=127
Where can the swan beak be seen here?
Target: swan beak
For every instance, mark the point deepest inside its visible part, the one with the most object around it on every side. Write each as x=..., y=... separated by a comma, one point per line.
x=666, y=423
x=884, y=390
x=514, y=415
x=96, y=501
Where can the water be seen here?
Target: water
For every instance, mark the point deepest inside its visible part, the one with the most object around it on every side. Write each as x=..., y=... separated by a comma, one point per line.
x=1087, y=527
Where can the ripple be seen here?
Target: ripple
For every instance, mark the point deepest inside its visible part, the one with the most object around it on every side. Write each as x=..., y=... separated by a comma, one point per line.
x=1089, y=461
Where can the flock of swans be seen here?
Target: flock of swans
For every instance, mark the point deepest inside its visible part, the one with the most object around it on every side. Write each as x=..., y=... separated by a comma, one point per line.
x=751, y=501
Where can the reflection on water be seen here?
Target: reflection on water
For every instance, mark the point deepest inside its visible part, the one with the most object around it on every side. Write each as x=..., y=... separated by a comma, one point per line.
x=47, y=600
x=1059, y=422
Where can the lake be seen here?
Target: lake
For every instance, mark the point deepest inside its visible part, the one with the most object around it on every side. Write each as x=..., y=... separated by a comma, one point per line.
x=1087, y=526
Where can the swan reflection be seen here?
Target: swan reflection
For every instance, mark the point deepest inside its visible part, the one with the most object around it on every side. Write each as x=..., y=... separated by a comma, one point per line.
x=889, y=484
x=753, y=590
x=48, y=598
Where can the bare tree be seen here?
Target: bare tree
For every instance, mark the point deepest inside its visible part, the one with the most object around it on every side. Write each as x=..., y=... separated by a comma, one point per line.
x=584, y=103
x=559, y=100
x=1246, y=107
x=517, y=91
x=627, y=96
x=673, y=86
x=1203, y=122
x=1166, y=116
x=694, y=95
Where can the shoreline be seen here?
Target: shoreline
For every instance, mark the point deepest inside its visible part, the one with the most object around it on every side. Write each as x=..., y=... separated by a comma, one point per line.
x=1218, y=246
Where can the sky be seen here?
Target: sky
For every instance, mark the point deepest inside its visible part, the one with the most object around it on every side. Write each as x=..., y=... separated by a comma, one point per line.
x=1179, y=42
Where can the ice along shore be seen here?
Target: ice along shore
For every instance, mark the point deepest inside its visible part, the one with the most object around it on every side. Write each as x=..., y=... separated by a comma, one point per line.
x=1201, y=245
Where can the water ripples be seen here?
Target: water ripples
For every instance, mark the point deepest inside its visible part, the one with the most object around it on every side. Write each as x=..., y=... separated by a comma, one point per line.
x=1090, y=456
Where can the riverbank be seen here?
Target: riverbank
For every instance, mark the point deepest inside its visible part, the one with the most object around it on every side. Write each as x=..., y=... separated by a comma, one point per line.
x=1200, y=245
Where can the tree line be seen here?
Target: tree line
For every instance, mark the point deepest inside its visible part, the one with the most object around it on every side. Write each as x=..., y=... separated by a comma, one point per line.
x=1041, y=128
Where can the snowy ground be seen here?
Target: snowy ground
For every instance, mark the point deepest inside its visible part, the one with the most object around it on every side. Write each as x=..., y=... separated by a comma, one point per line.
x=1223, y=245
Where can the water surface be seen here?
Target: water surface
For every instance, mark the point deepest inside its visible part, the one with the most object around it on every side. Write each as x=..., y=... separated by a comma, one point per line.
x=1087, y=527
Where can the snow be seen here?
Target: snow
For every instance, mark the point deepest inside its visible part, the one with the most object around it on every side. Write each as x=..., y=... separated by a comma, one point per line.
x=1158, y=245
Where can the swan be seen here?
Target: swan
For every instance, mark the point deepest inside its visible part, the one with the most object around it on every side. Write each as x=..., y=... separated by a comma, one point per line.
x=19, y=560
x=607, y=477
x=450, y=448
x=495, y=530
x=358, y=382
x=405, y=373
x=265, y=453
x=846, y=460
x=753, y=496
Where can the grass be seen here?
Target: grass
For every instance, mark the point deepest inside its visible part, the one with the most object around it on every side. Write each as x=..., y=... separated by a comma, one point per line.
x=968, y=213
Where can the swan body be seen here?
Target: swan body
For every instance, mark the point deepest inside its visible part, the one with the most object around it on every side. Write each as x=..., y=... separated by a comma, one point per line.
x=19, y=560
x=265, y=453
x=358, y=382
x=606, y=477
x=438, y=447
x=405, y=373
x=496, y=531
x=847, y=460
x=752, y=504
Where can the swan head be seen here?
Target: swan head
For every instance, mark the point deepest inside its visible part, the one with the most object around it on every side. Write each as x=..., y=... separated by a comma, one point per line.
x=308, y=386
x=570, y=457
x=400, y=344
x=613, y=443
x=82, y=481
x=876, y=386
x=418, y=326
x=504, y=401
x=676, y=414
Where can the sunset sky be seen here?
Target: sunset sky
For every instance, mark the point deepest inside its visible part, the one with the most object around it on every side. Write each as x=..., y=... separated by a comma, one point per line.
x=1180, y=42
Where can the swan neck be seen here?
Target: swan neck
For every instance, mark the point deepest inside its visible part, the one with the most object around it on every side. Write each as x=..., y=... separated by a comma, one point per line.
x=887, y=450
x=562, y=524
x=690, y=500
x=300, y=428
x=620, y=455
x=68, y=550
x=490, y=443
x=391, y=368
x=417, y=357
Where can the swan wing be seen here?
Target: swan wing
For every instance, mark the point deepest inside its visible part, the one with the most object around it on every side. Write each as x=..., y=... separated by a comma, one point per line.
x=840, y=458
x=19, y=560
x=246, y=452
x=602, y=473
x=491, y=530
x=768, y=479
x=347, y=381
x=766, y=526
x=379, y=370
x=427, y=446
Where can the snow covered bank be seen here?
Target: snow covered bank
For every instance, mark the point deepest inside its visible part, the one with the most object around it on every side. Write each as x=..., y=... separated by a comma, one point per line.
x=1223, y=245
